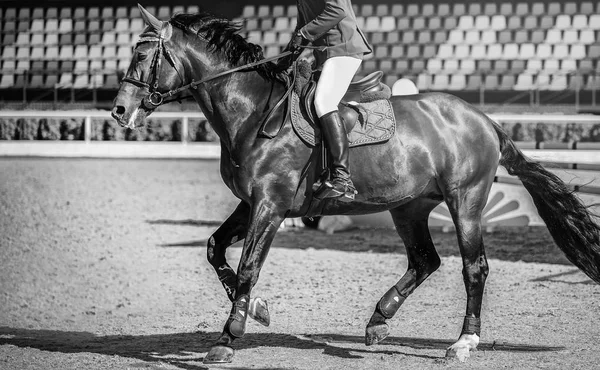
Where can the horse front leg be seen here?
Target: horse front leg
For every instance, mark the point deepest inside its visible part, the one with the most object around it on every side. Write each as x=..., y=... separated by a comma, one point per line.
x=265, y=221
x=231, y=231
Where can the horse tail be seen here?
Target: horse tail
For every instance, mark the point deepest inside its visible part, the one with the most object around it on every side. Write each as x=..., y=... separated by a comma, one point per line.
x=569, y=221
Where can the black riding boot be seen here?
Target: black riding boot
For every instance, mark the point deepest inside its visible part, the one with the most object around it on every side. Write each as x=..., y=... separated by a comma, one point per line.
x=336, y=137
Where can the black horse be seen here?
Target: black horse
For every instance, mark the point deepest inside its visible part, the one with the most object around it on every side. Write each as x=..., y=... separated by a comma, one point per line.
x=444, y=150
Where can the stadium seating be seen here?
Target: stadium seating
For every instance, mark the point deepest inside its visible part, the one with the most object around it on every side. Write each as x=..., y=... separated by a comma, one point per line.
x=506, y=46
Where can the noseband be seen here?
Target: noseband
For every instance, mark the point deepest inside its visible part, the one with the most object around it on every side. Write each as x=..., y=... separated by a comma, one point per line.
x=154, y=99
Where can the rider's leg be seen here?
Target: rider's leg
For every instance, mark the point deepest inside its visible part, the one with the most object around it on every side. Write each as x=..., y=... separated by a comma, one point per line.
x=335, y=78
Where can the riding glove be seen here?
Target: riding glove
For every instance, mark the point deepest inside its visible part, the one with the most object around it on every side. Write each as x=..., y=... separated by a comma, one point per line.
x=296, y=42
x=293, y=45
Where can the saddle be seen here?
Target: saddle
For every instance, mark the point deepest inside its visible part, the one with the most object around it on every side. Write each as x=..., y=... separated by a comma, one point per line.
x=370, y=85
x=365, y=109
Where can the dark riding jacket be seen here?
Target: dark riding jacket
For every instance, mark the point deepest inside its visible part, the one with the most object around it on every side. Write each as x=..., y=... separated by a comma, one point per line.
x=331, y=23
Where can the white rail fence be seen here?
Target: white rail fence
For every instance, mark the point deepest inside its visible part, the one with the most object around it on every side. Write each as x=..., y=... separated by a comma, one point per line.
x=89, y=148
x=585, y=153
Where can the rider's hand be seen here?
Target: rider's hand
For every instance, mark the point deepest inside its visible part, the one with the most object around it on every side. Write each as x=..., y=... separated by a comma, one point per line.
x=296, y=42
x=284, y=63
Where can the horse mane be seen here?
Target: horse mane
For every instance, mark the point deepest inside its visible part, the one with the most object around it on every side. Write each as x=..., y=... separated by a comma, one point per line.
x=223, y=36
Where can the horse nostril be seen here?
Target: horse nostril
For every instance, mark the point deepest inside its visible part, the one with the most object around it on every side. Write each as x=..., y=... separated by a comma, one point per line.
x=119, y=110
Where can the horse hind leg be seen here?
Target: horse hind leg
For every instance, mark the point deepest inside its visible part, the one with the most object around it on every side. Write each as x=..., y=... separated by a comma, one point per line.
x=466, y=208
x=423, y=260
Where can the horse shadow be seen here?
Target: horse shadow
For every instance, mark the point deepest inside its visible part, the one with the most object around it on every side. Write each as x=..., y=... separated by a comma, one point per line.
x=556, y=278
x=364, y=240
x=537, y=247
x=185, y=350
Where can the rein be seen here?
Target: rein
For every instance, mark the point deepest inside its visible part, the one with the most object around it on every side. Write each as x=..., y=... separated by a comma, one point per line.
x=193, y=84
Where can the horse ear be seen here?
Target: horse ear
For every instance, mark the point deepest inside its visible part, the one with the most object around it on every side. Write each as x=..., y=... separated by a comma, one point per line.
x=150, y=19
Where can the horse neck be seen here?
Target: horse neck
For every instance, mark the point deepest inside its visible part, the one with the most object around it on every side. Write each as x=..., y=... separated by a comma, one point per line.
x=234, y=104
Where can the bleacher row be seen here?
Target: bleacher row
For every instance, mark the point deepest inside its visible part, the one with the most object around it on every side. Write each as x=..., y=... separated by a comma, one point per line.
x=443, y=9
x=506, y=46
x=80, y=47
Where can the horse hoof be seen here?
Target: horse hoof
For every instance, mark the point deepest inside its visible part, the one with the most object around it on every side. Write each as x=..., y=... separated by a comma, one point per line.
x=461, y=353
x=219, y=355
x=376, y=333
x=259, y=311
x=463, y=347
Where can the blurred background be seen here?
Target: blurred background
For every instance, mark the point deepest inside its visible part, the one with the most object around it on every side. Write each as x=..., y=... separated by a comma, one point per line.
x=503, y=56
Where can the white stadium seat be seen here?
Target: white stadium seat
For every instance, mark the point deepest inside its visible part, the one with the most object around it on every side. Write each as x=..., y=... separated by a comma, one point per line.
x=465, y=22
x=524, y=82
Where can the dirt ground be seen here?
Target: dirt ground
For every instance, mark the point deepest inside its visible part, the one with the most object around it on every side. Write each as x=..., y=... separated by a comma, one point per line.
x=102, y=266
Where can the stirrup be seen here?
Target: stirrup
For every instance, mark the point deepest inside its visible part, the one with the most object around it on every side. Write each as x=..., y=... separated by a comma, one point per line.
x=328, y=190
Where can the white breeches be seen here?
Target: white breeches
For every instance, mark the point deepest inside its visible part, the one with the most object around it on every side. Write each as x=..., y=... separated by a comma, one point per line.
x=335, y=78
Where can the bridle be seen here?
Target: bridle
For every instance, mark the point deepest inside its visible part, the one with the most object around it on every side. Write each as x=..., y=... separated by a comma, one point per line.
x=154, y=99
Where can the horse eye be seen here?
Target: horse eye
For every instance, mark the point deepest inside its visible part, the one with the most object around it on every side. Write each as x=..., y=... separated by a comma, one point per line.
x=142, y=57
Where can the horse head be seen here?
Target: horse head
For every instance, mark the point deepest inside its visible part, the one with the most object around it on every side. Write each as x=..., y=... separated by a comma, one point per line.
x=195, y=54
x=153, y=70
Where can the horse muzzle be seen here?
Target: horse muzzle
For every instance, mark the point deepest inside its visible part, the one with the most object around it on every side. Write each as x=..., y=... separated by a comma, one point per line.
x=123, y=119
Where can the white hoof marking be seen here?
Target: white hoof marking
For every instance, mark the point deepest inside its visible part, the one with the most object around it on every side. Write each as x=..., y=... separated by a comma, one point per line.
x=462, y=348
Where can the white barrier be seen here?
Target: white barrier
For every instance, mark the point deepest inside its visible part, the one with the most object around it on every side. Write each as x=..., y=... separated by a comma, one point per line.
x=110, y=149
x=88, y=115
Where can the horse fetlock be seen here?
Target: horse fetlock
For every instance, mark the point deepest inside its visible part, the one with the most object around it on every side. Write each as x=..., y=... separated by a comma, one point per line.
x=471, y=325
x=236, y=324
x=463, y=347
x=389, y=304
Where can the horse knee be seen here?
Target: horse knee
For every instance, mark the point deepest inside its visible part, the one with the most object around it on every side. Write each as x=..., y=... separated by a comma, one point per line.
x=247, y=273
